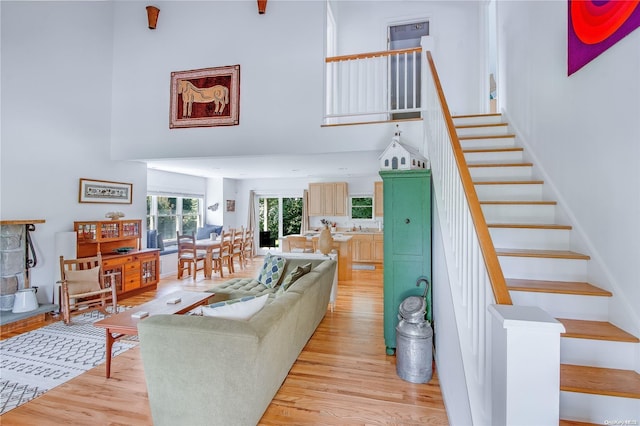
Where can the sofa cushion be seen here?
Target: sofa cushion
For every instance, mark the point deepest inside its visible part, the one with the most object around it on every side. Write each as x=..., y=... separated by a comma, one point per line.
x=271, y=271
x=83, y=280
x=236, y=309
x=239, y=287
x=204, y=233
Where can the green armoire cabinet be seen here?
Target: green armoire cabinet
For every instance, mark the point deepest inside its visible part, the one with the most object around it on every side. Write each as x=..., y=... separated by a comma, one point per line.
x=407, y=242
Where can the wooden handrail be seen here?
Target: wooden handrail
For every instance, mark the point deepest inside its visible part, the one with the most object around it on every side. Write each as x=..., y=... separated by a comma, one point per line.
x=372, y=54
x=494, y=271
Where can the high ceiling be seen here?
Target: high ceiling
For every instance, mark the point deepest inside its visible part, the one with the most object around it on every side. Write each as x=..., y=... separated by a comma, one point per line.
x=345, y=164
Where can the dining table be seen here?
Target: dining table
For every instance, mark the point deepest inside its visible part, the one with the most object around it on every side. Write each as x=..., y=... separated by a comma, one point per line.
x=209, y=246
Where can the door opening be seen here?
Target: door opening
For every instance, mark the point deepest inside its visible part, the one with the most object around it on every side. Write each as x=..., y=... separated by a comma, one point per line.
x=405, y=36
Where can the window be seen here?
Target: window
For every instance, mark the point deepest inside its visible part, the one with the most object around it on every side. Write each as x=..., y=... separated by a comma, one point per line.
x=361, y=207
x=171, y=214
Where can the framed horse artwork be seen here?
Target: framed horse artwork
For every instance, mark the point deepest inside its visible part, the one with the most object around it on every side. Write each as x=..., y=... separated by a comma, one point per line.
x=205, y=97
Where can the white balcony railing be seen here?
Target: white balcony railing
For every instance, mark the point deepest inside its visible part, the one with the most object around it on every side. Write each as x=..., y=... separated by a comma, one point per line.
x=373, y=86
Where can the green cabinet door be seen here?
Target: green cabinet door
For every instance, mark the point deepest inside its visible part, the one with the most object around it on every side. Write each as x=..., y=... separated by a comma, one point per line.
x=407, y=242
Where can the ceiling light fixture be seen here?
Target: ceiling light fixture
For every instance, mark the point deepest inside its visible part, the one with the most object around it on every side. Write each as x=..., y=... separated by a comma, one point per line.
x=262, y=6
x=152, y=16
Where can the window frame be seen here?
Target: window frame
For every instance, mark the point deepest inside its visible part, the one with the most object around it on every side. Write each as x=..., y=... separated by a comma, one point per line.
x=371, y=206
x=153, y=215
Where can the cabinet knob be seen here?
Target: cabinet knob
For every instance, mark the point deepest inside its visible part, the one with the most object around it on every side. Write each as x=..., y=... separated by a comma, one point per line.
x=407, y=220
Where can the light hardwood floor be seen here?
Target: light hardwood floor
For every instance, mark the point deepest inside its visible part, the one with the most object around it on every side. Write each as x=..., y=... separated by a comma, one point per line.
x=341, y=377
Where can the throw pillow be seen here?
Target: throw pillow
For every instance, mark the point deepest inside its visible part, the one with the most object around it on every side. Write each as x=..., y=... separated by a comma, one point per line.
x=83, y=281
x=291, y=278
x=306, y=268
x=271, y=271
x=237, y=309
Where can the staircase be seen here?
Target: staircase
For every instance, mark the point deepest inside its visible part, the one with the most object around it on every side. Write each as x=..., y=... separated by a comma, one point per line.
x=597, y=380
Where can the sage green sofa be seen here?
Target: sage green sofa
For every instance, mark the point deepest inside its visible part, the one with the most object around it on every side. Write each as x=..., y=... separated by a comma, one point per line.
x=213, y=371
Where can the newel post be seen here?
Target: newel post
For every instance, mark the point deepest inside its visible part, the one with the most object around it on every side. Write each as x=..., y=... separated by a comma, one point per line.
x=525, y=366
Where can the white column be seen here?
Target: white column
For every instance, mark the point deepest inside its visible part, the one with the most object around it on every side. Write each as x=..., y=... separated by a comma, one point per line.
x=525, y=366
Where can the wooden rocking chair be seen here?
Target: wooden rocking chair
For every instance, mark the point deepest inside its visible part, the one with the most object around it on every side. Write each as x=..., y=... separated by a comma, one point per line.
x=85, y=286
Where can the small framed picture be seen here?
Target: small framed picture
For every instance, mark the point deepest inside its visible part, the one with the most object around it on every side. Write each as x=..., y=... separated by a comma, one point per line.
x=231, y=205
x=102, y=191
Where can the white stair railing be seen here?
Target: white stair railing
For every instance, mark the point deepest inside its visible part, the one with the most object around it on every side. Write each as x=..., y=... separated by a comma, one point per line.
x=511, y=354
x=372, y=86
x=474, y=271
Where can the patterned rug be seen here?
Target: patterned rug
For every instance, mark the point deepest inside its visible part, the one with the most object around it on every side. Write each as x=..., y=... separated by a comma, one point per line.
x=35, y=362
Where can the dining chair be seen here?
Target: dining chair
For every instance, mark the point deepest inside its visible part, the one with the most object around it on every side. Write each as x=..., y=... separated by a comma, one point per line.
x=237, y=242
x=190, y=259
x=299, y=244
x=225, y=250
x=248, y=245
x=84, y=285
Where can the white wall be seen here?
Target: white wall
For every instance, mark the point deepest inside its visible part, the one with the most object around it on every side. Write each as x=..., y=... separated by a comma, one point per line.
x=448, y=354
x=584, y=131
x=56, y=111
x=160, y=181
x=281, y=55
x=453, y=25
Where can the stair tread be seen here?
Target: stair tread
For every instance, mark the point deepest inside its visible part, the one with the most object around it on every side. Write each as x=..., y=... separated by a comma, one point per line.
x=520, y=202
x=473, y=137
x=492, y=114
x=599, y=381
x=487, y=150
x=596, y=330
x=474, y=165
x=471, y=126
x=507, y=181
x=564, y=422
x=560, y=287
x=528, y=225
x=555, y=254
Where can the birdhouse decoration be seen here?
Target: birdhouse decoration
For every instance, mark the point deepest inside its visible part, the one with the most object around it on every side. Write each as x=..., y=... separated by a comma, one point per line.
x=399, y=156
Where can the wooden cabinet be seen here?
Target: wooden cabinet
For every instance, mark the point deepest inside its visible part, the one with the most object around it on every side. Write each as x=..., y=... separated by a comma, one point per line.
x=362, y=247
x=137, y=270
x=340, y=199
x=106, y=236
x=378, y=199
x=407, y=242
x=368, y=248
x=378, y=248
x=328, y=199
x=316, y=199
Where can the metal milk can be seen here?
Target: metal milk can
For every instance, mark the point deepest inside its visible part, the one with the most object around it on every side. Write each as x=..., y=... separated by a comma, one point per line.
x=414, y=339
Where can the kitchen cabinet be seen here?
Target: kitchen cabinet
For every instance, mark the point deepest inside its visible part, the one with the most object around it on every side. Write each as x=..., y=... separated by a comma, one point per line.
x=328, y=199
x=378, y=199
x=378, y=248
x=368, y=247
x=362, y=247
x=407, y=242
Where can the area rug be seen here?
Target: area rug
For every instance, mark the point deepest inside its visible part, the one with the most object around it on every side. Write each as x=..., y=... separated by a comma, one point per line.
x=35, y=362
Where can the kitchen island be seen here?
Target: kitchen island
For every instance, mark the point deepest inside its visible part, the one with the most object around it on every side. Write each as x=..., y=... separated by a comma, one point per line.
x=341, y=244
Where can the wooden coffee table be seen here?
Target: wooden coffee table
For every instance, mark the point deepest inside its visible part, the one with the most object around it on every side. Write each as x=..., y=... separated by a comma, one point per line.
x=123, y=324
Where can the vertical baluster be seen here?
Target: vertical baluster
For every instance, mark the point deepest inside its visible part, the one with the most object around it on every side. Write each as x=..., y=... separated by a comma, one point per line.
x=406, y=69
x=337, y=89
x=397, y=81
x=482, y=325
x=415, y=68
